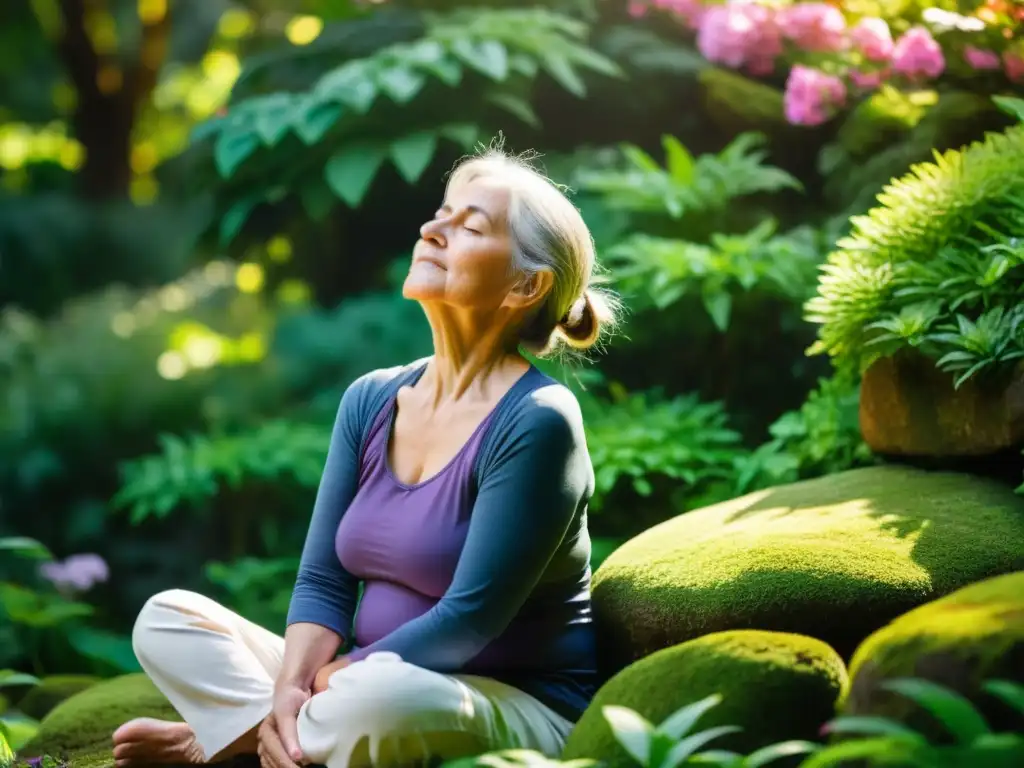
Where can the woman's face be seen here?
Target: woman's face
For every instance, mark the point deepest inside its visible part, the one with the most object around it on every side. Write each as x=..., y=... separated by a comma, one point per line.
x=464, y=254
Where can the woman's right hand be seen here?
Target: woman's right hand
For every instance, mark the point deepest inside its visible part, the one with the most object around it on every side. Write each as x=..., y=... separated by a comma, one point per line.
x=279, y=732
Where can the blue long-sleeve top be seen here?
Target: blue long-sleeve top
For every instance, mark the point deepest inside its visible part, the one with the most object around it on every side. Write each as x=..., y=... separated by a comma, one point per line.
x=483, y=568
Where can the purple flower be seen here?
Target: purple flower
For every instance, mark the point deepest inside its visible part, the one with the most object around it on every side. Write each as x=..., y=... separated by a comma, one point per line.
x=79, y=573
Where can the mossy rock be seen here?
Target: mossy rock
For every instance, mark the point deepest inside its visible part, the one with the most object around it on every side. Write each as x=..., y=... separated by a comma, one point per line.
x=834, y=558
x=51, y=691
x=80, y=728
x=960, y=641
x=776, y=686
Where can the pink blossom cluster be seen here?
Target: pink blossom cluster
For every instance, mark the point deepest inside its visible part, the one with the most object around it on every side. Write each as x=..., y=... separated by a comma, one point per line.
x=78, y=573
x=751, y=35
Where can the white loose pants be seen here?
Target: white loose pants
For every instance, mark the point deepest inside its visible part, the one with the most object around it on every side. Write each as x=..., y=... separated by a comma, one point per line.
x=218, y=670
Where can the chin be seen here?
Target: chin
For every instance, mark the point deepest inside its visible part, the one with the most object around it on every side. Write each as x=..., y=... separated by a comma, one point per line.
x=417, y=288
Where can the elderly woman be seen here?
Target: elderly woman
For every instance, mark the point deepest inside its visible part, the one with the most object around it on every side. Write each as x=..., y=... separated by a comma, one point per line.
x=455, y=492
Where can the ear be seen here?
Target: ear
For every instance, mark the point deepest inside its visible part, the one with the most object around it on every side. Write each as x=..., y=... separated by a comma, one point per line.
x=530, y=291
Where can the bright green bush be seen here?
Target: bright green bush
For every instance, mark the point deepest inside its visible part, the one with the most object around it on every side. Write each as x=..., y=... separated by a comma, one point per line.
x=939, y=266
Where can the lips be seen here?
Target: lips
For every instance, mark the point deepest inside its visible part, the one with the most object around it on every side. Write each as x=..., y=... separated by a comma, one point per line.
x=427, y=259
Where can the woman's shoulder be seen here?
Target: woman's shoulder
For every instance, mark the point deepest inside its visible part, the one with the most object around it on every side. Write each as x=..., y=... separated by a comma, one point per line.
x=364, y=396
x=545, y=408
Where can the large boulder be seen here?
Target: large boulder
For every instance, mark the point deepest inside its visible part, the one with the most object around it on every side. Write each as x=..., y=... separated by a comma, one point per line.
x=51, y=691
x=960, y=641
x=833, y=558
x=80, y=728
x=775, y=686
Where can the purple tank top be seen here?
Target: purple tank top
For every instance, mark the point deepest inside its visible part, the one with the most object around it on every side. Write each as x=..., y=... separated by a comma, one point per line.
x=404, y=541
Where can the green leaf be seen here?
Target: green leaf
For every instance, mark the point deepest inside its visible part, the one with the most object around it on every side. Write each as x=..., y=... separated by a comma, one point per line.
x=515, y=105
x=686, y=747
x=631, y=730
x=719, y=306
x=232, y=149
x=26, y=547
x=10, y=678
x=1011, y=693
x=680, y=161
x=412, y=154
x=360, y=95
x=561, y=70
x=679, y=724
x=488, y=57
x=401, y=83
x=317, y=199
x=99, y=645
x=1010, y=105
x=640, y=159
x=351, y=169
x=234, y=218
x=317, y=118
x=773, y=752
x=955, y=712
x=274, y=117
x=870, y=725
x=463, y=134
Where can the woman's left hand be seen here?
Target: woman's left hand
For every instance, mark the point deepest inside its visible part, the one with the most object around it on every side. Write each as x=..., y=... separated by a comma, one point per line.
x=324, y=675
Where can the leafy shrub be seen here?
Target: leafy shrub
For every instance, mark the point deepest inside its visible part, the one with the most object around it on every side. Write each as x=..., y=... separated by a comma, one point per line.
x=936, y=268
x=328, y=144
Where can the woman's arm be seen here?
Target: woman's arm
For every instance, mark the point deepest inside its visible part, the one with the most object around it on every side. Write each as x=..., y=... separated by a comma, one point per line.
x=323, y=602
x=525, y=505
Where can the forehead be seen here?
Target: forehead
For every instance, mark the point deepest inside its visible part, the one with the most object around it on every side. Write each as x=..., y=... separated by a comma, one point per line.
x=488, y=192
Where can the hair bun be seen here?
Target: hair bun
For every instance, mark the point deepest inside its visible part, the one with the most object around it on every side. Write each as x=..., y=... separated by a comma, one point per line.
x=581, y=324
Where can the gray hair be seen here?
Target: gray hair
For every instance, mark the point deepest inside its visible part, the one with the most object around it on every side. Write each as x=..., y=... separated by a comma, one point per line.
x=548, y=234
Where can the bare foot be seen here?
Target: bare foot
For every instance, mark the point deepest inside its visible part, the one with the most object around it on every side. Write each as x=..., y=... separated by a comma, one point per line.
x=146, y=740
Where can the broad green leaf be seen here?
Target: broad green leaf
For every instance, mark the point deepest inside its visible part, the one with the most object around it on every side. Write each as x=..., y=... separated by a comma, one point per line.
x=488, y=57
x=679, y=160
x=350, y=171
x=400, y=83
x=232, y=149
x=516, y=106
x=10, y=678
x=115, y=650
x=351, y=84
x=316, y=119
x=26, y=547
x=685, y=748
x=318, y=200
x=870, y=725
x=463, y=134
x=448, y=71
x=631, y=730
x=595, y=61
x=6, y=753
x=562, y=72
x=719, y=306
x=955, y=712
x=1011, y=693
x=207, y=128
x=234, y=218
x=680, y=723
x=1010, y=105
x=412, y=154
x=773, y=752
x=892, y=749
x=274, y=117
x=640, y=159
x=723, y=758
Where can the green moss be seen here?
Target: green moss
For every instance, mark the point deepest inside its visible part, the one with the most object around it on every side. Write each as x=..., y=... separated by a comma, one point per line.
x=775, y=686
x=51, y=691
x=833, y=558
x=961, y=640
x=81, y=727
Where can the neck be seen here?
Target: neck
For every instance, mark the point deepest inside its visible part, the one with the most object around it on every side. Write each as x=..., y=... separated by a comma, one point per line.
x=470, y=353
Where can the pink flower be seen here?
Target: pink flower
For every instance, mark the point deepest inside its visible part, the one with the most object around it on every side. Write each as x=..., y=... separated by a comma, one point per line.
x=738, y=35
x=873, y=38
x=978, y=58
x=916, y=54
x=868, y=81
x=814, y=26
x=689, y=11
x=79, y=573
x=1013, y=62
x=637, y=8
x=812, y=96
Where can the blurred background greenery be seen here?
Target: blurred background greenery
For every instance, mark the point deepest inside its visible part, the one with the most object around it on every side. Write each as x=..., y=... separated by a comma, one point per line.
x=206, y=208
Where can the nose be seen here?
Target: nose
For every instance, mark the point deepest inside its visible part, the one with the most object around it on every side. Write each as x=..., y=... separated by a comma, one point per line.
x=433, y=232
